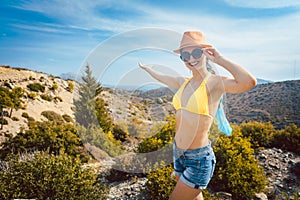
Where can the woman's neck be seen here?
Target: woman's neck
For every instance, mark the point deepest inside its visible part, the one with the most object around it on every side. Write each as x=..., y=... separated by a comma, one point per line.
x=199, y=74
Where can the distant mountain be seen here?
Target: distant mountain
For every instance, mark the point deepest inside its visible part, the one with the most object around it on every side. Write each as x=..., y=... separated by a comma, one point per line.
x=70, y=75
x=262, y=81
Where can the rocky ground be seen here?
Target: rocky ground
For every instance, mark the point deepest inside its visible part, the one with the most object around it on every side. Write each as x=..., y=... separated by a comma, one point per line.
x=279, y=166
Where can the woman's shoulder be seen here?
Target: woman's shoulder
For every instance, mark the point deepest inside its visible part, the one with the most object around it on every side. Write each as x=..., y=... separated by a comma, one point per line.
x=181, y=80
x=215, y=82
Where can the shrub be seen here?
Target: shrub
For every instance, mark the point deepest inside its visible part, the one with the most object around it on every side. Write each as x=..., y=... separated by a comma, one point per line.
x=237, y=171
x=3, y=121
x=54, y=87
x=43, y=176
x=70, y=87
x=49, y=136
x=15, y=119
x=52, y=116
x=31, y=119
x=259, y=133
x=46, y=97
x=163, y=137
x=288, y=139
x=32, y=95
x=95, y=136
x=119, y=133
x=103, y=115
x=67, y=118
x=36, y=87
x=160, y=184
x=57, y=98
x=25, y=115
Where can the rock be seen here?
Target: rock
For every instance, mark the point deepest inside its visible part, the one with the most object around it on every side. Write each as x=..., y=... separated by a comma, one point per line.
x=132, y=189
x=261, y=196
x=280, y=168
x=223, y=195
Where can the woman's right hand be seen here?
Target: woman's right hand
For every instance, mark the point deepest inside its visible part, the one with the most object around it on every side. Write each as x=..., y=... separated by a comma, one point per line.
x=145, y=67
x=170, y=81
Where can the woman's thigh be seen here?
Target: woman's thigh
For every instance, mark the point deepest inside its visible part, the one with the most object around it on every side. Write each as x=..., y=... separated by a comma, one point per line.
x=184, y=192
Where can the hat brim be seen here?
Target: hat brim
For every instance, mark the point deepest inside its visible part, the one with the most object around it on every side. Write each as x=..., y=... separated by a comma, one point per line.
x=201, y=45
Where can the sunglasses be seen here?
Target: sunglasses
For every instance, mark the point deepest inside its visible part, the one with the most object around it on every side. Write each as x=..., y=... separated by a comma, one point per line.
x=196, y=53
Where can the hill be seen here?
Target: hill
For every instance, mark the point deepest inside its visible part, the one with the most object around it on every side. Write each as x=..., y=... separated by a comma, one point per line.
x=277, y=102
x=59, y=100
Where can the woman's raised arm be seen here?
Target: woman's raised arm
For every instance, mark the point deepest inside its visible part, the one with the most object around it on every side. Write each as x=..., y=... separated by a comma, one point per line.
x=170, y=81
x=242, y=80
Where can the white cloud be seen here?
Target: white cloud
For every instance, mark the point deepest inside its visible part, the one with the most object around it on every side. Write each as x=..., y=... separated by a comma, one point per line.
x=263, y=3
x=266, y=46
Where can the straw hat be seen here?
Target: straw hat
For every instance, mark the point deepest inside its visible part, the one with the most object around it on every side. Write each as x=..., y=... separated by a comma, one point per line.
x=192, y=38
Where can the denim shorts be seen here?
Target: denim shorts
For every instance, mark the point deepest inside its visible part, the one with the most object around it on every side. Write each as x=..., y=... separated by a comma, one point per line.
x=194, y=167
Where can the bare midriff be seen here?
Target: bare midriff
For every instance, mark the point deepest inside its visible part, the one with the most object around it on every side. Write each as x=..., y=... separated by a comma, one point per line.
x=192, y=130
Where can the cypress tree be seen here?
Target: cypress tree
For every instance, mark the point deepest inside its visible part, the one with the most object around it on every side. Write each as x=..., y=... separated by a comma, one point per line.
x=16, y=97
x=91, y=107
x=88, y=90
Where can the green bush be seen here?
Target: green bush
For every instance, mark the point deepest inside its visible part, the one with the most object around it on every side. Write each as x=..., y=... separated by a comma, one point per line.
x=44, y=176
x=70, y=87
x=49, y=136
x=32, y=95
x=25, y=115
x=67, y=118
x=46, y=97
x=3, y=121
x=36, y=87
x=15, y=119
x=259, y=133
x=237, y=171
x=54, y=87
x=119, y=133
x=57, y=98
x=160, y=184
x=162, y=138
x=103, y=115
x=95, y=136
x=288, y=139
x=52, y=116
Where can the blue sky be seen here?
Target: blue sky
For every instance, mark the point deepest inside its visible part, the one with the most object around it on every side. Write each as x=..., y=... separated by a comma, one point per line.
x=61, y=36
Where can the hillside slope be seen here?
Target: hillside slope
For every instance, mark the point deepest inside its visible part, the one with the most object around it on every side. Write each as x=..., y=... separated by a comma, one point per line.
x=278, y=102
x=61, y=103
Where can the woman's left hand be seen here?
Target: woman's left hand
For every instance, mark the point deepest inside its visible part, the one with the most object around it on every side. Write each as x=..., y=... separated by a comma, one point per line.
x=212, y=54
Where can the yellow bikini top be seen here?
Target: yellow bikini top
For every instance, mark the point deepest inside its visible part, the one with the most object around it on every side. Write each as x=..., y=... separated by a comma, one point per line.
x=198, y=101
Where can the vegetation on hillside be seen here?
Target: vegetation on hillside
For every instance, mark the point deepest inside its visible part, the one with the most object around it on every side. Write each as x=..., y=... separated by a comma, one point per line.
x=47, y=159
x=41, y=175
x=9, y=99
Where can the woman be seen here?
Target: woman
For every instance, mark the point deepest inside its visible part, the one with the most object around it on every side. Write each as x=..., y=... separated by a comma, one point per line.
x=196, y=102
